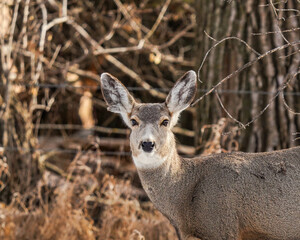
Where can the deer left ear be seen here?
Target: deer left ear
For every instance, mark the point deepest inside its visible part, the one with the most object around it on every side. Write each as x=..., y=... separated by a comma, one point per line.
x=183, y=92
x=182, y=95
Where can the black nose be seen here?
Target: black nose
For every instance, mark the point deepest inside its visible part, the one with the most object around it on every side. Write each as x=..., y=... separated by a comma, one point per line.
x=148, y=146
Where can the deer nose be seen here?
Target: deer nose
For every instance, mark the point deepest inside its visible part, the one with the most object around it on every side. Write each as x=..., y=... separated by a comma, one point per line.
x=148, y=146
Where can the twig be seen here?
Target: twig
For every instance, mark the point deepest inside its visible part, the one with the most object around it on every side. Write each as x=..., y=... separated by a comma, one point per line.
x=158, y=20
x=291, y=54
x=54, y=56
x=44, y=27
x=214, y=46
x=280, y=90
x=283, y=98
x=210, y=37
x=176, y=37
x=277, y=22
x=228, y=114
x=25, y=20
x=13, y=24
x=241, y=68
x=111, y=33
x=65, y=8
x=275, y=11
x=274, y=32
x=52, y=167
x=7, y=65
x=117, y=63
x=124, y=11
x=56, y=21
x=283, y=10
x=119, y=49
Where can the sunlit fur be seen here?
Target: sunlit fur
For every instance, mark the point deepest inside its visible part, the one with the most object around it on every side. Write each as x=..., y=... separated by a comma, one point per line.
x=150, y=117
x=229, y=196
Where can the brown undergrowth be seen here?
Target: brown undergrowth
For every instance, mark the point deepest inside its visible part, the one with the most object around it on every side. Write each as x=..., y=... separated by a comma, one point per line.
x=86, y=195
x=85, y=203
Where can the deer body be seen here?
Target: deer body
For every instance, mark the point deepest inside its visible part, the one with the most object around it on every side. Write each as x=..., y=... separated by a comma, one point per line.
x=230, y=196
x=224, y=196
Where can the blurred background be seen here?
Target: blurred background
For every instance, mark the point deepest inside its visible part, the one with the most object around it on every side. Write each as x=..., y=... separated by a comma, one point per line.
x=65, y=166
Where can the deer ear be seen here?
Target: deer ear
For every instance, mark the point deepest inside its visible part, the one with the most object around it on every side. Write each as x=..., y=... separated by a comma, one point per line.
x=182, y=94
x=116, y=96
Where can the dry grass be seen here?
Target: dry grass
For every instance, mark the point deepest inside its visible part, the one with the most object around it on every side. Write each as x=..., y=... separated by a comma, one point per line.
x=87, y=196
x=85, y=204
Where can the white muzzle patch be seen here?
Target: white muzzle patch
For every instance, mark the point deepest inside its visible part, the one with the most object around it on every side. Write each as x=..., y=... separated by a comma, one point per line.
x=148, y=160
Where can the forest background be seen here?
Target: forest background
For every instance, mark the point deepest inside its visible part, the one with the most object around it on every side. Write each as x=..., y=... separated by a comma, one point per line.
x=65, y=166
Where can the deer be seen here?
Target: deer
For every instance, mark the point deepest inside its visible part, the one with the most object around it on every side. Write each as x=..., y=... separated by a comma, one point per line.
x=224, y=196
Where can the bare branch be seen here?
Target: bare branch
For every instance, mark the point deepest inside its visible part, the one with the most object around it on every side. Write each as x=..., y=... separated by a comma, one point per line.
x=44, y=27
x=274, y=32
x=283, y=98
x=117, y=63
x=240, y=69
x=158, y=20
x=228, y=114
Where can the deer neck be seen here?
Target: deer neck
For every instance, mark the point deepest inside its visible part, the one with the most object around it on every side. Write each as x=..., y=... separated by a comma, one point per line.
x=165, y=184
x=168, y=166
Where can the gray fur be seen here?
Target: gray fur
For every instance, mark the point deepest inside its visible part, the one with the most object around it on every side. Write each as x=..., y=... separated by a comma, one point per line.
x=151, y=113
x=230, y=196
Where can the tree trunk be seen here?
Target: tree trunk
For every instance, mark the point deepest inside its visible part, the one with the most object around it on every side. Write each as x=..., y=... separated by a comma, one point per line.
x=16, y=117
x=248, y=93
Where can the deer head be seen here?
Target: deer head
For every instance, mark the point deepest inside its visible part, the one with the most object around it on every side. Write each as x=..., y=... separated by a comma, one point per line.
x=151, y=123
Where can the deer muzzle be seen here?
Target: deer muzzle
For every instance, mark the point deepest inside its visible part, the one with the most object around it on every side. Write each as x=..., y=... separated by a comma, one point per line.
x=147, y=146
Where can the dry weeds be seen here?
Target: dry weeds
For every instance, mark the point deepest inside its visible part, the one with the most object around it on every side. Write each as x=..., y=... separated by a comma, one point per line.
x=86, y=203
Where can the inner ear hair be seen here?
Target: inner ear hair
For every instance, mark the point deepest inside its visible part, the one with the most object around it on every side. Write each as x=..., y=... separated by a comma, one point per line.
x=116, y=94
x=183, y=92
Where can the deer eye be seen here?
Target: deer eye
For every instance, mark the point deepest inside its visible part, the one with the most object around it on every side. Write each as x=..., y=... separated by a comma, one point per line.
x=165, y=122
x=134, y=122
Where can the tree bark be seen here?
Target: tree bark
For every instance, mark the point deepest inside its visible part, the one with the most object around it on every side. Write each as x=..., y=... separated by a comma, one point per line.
x=275, y=128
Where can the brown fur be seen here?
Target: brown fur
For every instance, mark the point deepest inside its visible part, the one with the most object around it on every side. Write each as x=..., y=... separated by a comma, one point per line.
x=232, y=196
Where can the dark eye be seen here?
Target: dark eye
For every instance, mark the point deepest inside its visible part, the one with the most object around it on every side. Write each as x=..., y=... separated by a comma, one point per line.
x=165, y=122
x=134, y=122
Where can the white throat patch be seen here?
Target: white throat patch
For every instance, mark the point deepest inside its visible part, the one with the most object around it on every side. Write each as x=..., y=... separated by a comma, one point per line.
x=148, y=160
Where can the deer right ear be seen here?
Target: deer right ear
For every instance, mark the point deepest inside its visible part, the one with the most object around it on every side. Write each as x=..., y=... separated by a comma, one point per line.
x=116, y=96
